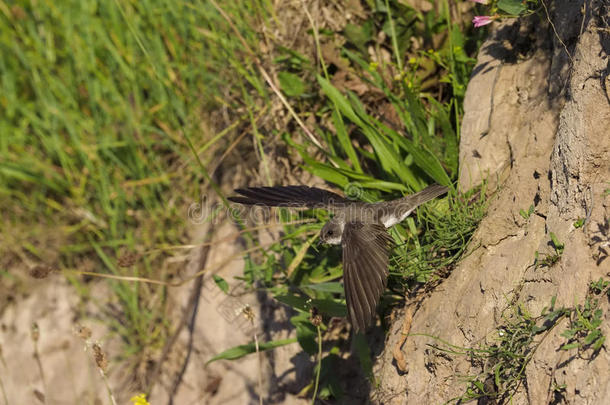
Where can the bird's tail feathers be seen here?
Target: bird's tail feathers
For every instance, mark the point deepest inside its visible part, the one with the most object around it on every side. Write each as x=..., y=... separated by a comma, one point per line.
x=425, y=195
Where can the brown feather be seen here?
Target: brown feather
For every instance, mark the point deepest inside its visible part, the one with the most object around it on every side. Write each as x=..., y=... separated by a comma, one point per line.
x=288, y=196
x=366, y=250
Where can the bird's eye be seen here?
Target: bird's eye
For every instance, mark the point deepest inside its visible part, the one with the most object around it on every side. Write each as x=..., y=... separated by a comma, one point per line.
x=329, y=233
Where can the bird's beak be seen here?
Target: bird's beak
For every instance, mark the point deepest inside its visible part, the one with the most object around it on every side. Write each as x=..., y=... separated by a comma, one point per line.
x=320, y=241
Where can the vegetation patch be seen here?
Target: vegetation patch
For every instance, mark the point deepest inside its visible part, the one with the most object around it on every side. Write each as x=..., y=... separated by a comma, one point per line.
x=504, y=362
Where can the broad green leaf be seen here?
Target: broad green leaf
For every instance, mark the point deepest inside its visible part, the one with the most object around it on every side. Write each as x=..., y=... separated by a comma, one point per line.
x=345, y=141
x=355, y=175
x=497, y=377
x=329, y=175
x=364, y=354
x=378, y=81
x=306, y=333
x=330, y=307
x=333, y=287
x=514, y=7
x=291, y=84
x=359, y=35
x=221, y=283
x=558, y=245
x=427, y=162
x=570, y=346
x=294, y=301
x=335, y=272
x=243, y=350
x=339, y=100
x=479, y=385
x=599, y=343
x=386, y=152
x=358, y=107
x=386, y=186
x=386, y=156
x=592, y=336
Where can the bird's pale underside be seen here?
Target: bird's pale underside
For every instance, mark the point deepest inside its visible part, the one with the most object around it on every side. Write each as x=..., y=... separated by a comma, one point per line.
x=359, y=227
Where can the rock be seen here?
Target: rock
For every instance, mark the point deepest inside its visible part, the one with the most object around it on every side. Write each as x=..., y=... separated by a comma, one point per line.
x=536, y=125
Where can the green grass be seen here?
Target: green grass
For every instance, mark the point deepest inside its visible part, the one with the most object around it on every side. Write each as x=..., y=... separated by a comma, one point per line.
x=101, y=101
x=504, y=357
x=549, y=259
x=104, y=104
x=504, y=363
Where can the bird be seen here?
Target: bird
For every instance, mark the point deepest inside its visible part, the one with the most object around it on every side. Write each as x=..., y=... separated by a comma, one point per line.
x=361, y=230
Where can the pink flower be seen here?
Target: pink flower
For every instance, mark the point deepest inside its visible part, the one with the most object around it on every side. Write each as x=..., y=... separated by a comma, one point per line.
x=481, y=20
x=480, y=1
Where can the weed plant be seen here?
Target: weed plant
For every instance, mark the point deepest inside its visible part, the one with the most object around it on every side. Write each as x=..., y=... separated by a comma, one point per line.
x=372, y=158
x=504, y=362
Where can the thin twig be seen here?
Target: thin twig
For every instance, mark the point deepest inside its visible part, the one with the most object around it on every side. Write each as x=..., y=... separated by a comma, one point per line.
x=186, y=280
x=249, y=314
x=107, y=385
x=555, y=31
x=267, y=78
x=260, y=367
x=232, y=236
x=317, y=383
x=35, y=335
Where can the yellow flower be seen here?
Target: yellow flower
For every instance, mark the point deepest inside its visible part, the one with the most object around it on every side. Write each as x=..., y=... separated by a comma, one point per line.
x=139, y=399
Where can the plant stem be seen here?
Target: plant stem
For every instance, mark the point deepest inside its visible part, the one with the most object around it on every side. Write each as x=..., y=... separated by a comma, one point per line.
x=315, y=389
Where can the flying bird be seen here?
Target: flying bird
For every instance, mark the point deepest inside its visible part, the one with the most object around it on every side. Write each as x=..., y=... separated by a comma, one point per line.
x=360, y=229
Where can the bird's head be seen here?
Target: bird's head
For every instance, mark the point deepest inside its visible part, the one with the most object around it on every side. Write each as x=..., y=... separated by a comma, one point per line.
x=331, y=232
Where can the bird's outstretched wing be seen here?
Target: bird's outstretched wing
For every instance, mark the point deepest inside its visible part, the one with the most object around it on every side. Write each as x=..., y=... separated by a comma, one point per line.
x=288, y=196
x=366, y=251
